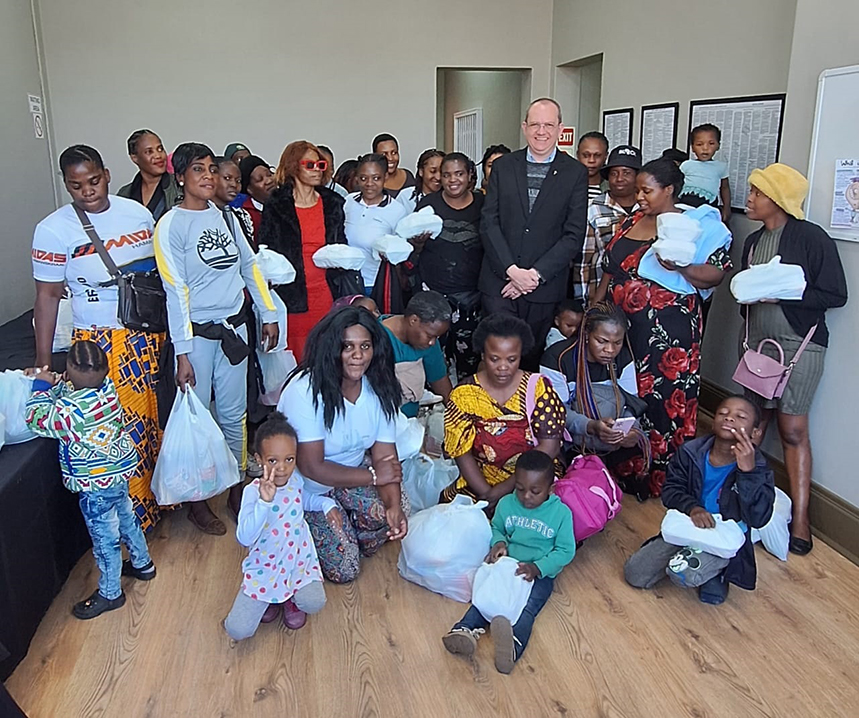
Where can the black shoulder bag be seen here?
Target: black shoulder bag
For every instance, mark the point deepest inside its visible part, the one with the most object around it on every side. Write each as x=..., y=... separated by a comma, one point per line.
x=142, y=303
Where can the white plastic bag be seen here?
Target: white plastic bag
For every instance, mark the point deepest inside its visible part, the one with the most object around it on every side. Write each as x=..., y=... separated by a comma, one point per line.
x=498, y=591
x=772, y=280
x=445, y=546
x=776, y=534
x=195, y=463
x=15, y=391
x=410, y=436
x=724, y=540
x=339, y=256
x=393, y=248
x=65, y=327
x=424, y=221
x=282, y=322
x=275, y=268
x=424, y=478
x=275, y=367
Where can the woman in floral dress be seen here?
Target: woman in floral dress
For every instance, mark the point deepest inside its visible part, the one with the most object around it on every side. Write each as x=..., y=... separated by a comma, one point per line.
x=665, y=325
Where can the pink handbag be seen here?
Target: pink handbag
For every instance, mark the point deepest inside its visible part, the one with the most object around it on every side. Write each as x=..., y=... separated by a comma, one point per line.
x=763, y=375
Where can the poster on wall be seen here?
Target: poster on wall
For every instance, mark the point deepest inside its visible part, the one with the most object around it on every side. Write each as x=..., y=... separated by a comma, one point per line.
x=617, y=126
x=658, y=129
x=751, y=135
x=845, y=199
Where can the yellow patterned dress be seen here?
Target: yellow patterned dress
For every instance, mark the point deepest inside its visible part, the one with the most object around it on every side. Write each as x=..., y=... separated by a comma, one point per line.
x=496, y=435
x=133, y=365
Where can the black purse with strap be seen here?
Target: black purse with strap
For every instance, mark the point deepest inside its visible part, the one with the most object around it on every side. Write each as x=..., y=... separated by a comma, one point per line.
x=142, y=305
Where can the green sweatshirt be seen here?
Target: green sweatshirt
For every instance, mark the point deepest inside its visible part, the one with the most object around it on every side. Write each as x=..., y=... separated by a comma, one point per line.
x=542, y=536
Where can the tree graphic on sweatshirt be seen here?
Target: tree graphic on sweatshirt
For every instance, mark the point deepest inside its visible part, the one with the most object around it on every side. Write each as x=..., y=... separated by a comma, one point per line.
x=217, y=249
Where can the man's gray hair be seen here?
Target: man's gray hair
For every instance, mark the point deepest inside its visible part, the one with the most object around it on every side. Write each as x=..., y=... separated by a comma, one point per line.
x=545, y=99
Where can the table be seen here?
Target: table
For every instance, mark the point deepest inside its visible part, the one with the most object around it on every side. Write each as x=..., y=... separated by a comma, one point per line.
x=42, y=532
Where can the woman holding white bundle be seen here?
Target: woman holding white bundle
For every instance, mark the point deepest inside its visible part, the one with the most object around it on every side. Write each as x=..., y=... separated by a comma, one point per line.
x=775, y=198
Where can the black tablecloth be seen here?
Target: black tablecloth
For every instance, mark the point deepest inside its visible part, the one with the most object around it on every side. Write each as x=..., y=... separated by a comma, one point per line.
x=42, y=532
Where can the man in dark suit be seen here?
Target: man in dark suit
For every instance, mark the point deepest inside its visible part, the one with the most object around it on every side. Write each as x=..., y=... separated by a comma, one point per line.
x=533, y=225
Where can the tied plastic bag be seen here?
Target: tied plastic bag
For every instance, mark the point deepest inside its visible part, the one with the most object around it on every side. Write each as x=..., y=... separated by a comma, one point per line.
x=424, y=479
x=282, y=322
x=195, y=462
x=772, y=280
x=410, y=436
x=275, y=268
x=445, y=546
x=776, y=534
x=395, y=249
x=424, y=221
x=498, y=591
x=339, y=256
x=15, y=391
x=275, y=367
x=724, y=540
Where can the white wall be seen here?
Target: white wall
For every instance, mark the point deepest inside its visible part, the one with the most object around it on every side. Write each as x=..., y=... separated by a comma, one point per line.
x=670, y=51
x=27, y=195
x=497, y=92
x=825, y=37
x=267, y=72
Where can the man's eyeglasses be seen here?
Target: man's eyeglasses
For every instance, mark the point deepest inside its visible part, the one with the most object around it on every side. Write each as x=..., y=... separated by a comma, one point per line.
x=311, y=165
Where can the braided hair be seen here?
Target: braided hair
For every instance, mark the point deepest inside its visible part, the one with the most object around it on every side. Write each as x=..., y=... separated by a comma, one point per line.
x=596, y=315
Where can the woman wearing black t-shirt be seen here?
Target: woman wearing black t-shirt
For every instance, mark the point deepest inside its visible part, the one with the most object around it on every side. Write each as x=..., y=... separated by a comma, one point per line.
x=450, y=263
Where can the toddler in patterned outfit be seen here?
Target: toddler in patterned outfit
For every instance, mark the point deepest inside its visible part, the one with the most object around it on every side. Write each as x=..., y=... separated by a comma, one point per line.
x=97, y=456
x=281, y=570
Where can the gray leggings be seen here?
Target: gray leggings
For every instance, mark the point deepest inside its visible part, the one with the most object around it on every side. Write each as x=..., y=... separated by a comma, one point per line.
x=685, y=567
x=246, y=612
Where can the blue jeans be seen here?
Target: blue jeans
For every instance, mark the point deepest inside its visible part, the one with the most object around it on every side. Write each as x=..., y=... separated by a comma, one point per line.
x=540, y=592
x=109, y=517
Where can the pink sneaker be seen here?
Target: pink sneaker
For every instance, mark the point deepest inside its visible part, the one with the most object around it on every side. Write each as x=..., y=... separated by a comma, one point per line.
x=271, y=613
x=293, y=617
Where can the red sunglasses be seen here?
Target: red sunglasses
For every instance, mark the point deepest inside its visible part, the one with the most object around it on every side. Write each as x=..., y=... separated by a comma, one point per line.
x=311, y=165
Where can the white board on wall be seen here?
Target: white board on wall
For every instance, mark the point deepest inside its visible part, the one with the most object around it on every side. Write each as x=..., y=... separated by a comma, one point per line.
x=835, y=137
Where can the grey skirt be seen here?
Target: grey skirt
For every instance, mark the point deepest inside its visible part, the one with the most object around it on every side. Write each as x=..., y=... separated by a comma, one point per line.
x=803, y=381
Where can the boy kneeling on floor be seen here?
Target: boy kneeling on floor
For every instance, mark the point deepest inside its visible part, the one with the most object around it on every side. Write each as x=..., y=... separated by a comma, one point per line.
x=721, y=473
x=532, y=526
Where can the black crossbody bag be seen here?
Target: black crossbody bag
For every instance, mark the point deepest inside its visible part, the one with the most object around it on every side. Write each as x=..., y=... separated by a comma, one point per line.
x=142, y=303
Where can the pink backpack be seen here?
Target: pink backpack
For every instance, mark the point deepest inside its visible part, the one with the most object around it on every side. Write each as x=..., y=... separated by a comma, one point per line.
x=588, y=490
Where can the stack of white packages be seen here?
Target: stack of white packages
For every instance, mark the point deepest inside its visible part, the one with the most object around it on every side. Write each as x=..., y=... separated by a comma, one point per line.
x=772, y=280
x=676, y=235
x=424, y=221
x=339, y=256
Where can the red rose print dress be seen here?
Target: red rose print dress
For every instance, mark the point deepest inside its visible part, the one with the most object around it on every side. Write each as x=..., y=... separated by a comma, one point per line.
x=665, y=335
x=282, y=557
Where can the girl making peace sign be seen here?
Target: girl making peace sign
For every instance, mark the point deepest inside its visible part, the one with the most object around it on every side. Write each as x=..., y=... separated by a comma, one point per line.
x=282, y=566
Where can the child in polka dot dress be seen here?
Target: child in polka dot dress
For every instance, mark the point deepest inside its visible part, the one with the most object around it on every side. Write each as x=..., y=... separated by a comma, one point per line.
x=281, y=568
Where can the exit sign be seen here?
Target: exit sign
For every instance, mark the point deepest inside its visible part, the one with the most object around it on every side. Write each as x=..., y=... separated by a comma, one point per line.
x=568, y=137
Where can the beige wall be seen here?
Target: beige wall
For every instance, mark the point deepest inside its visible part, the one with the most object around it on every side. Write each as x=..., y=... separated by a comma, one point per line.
x=270, y=71
x=497, y=93
x=27, y=194
x=825, y=37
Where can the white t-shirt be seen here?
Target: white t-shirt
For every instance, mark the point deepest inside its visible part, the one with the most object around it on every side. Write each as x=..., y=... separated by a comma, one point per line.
x=63, y=253
x=367, y=223
x=354, y=431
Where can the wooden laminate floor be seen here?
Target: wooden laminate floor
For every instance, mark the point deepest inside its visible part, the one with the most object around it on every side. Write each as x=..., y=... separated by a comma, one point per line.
x=599, y=648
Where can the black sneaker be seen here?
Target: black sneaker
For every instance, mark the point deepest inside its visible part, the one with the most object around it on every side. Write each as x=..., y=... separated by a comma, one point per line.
x=147, y=573
x=714, y=591
x=96, y=604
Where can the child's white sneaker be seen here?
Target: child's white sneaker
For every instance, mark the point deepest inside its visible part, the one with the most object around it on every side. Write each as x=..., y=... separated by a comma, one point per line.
x=462, y=641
